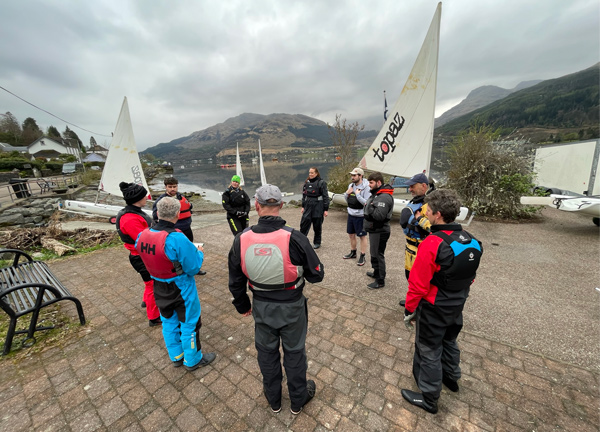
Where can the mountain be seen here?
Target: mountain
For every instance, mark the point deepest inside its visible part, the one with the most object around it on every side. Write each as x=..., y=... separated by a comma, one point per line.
x=553, y=110
x=479, y=98
x=277, y=133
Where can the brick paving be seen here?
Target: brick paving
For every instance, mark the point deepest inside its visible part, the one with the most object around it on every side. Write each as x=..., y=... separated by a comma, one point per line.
x=114, y=373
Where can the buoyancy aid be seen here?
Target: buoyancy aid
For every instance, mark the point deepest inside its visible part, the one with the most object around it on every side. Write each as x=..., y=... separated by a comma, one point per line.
x=135, y=210
x=151, y=247
x=312, y=189
x=353, y=202
x=186, y=208
x=467, y=255
x=265, y=259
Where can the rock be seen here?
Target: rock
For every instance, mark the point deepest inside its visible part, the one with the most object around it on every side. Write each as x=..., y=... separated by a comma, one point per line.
x=11, y=219
x=59, y=248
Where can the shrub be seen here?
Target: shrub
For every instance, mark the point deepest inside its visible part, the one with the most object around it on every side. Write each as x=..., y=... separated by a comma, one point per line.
x=491, y=176
x=338, y=178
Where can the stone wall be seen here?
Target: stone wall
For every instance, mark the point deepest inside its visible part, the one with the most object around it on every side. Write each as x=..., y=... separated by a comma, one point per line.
x=34, y=213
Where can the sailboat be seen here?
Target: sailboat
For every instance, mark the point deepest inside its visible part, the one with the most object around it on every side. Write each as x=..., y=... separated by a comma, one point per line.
x=403, y=146
x=238, y=165
x=263, y=177
x=122, y=165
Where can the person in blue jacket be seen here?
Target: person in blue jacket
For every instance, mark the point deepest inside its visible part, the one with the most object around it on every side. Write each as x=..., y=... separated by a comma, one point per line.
x=172, y=261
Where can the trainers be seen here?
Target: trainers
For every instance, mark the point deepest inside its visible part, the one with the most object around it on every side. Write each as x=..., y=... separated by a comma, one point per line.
x=402, y=303
x=361, y=260
x=351, y=255
x=418, y=399
x=207, y=358
x=311, y=389
x=143, y=304
x=316, y=246
x=371, y=274
x=375, y=285
x=450, y=383
x=154, y=322
x=178, y=363
x=275, y=407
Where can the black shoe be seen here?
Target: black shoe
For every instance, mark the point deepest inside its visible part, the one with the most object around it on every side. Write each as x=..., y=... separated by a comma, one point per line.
x=371, y=274
x=154, y=322
x=402, y=303
x=207, y=358
x=201, y=273
x=143, y=304
x=417, y=399
x=375, y=285
x=351, y=255
x=361, y=260
x=450, y=384
x=316, y=246
x=178, y=363
x=275, y=407
x=311, y=388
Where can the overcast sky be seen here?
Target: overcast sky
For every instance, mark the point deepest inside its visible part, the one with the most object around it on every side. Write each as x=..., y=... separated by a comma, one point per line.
x=186, y=65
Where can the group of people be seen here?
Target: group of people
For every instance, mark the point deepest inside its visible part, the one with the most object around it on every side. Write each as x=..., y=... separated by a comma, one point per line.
x=274, y=260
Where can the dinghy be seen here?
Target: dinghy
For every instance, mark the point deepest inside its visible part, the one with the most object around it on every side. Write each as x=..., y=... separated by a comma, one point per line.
x=403, y=146
x=122, y=165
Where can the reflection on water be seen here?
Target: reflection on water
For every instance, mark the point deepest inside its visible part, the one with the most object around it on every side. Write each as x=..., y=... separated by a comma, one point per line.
x=211, y=180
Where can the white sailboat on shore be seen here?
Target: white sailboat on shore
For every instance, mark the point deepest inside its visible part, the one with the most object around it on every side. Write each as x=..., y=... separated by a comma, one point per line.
x=403, y=146
x=122, y=165
x=238, y=165
x=263, y=177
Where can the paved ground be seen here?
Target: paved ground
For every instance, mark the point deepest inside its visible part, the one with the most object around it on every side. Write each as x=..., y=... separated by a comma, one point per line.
x=114, y=374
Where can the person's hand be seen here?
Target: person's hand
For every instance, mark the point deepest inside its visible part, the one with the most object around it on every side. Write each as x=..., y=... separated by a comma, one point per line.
x=408, y=318
x=325, y=213
x=302, y=210
x=349, y=191
x=200, y=248
x=245, y=314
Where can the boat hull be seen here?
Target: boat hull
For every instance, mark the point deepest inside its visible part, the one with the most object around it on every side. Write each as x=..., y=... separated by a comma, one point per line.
x=93, y=208
x=399, y=204
x=586, y=205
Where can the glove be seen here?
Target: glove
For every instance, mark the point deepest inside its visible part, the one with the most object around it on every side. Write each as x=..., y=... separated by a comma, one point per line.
x=424, y=223
x=408, y=317
x=240, y=214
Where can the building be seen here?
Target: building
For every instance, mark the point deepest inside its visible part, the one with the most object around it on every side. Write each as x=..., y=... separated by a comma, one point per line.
x=50, y=148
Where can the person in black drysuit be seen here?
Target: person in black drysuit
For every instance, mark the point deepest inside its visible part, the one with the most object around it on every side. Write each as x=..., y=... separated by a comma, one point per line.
x=237, y=203
x=315, y=205
x=273, y=260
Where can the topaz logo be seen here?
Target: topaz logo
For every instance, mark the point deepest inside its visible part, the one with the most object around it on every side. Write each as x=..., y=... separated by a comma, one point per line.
x=263, y=251
x=388, y=143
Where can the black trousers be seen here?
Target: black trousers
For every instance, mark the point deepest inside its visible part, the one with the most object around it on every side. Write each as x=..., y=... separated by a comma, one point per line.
x=188, y=233
x=138, y=265
x=237, y=225
x=287, y=322
x=436, y=350
x=377, y=245
x=317, y=224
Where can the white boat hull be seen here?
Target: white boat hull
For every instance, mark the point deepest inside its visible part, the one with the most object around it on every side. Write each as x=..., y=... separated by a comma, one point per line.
x=93, y=208
x=586, y=205
x=399, y=204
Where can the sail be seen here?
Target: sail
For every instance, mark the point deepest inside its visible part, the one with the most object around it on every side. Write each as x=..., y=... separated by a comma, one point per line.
x=238, y=165
x=123, y=162
x=263, y=177
x=403, y=146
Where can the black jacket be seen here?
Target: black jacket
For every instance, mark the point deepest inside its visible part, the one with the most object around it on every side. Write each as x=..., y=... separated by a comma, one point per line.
x=235, y=200
x=315, y=199
x=378, y=210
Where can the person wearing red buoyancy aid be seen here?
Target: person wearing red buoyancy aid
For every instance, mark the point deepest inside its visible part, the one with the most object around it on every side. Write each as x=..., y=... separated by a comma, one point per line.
x=184, y=223
x=131, y=221
x=273, y=260
x=172, y=261
x=438, y=287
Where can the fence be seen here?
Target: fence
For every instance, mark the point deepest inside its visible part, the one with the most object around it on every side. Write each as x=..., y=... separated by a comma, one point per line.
x=17, y=189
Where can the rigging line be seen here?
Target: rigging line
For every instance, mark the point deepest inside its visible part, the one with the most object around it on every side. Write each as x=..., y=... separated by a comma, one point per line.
x=48, y=112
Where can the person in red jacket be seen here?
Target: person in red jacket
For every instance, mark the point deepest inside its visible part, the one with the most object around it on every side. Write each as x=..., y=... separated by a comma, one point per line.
x=438, y=287
x=131, y=221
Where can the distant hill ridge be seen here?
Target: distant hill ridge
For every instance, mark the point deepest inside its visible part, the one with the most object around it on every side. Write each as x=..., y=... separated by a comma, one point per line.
x=478, y=98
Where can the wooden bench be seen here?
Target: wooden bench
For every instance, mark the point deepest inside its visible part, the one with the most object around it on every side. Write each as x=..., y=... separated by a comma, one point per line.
x=27, y=286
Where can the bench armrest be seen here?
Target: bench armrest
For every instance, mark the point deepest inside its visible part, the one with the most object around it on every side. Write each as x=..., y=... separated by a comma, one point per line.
x=18, y=254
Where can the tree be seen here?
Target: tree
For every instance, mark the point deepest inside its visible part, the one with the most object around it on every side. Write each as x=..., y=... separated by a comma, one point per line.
x=490, y=176
x=10, y=129
x=343, y=136
x=31, y=131
x=93, y=142
x=52, y=132
x=68, y=134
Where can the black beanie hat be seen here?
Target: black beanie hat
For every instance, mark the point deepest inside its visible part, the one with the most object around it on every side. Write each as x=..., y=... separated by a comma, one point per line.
x=132, y=192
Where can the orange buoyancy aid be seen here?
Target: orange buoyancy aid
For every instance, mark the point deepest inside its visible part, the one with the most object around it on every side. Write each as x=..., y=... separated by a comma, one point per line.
x=265, y=259
x=186, y=208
